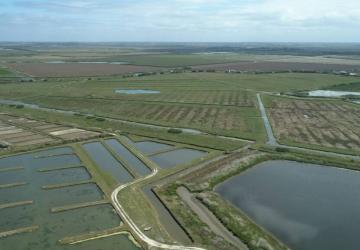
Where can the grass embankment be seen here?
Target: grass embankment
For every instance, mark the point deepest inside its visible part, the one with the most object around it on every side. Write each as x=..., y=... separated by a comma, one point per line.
x=93, y=235
x=11, y=169
x=16, y=204
x=11, y=185
x=60, y=168
x=138, y=205
x=18, y=231
x=77, y=206
x=197, y=230
x=70, y=184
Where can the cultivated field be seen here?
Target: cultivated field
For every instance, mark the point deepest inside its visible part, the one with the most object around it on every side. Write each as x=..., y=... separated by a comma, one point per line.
x=215, y=102
x=244, y=122
x=325, y=123
x=269, y=66
x=79, y=69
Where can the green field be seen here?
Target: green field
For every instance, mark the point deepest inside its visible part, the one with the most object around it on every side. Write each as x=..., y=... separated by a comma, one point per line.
x=217, y=103
x=353, y=86
x=4, y=72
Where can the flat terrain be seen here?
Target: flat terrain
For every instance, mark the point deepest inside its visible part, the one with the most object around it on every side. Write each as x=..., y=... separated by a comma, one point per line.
x=279, y=66
x=325, y=123
x=79, y=69
x=218, y=103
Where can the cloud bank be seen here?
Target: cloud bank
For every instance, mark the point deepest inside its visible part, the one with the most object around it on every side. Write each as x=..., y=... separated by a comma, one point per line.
x=181, y=20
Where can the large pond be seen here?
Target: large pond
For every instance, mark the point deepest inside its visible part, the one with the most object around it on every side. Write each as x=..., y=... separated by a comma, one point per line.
x=151, y=147
x=129, y=157
x=107, y=162
x=307, y=206
x=136, y=91
x=331, y=93
x=177, y=157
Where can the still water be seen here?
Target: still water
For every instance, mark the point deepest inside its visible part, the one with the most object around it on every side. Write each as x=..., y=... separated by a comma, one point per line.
x=307, y=206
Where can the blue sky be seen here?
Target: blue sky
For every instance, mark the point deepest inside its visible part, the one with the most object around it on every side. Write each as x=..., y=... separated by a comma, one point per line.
x=181, y=20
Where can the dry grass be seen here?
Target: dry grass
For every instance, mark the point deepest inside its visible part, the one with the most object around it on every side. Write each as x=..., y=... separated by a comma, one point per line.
x=323, y=123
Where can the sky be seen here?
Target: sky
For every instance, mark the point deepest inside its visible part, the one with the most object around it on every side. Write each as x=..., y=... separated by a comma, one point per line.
x=180, y=20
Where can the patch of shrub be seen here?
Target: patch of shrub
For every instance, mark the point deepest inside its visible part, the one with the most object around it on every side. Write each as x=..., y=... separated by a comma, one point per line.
x=175, y=131
x=282, y=150
x=100, y=119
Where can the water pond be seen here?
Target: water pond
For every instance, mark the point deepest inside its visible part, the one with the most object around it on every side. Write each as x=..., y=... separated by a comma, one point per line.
x=177, y=157
x=331, y=93
x=136, y=91
x=107, y=162
x=54, y=226
x=129, y=157
x=306, y=206
x=150, y=147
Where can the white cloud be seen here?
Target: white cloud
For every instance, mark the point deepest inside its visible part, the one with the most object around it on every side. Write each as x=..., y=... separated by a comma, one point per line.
x=205, y=20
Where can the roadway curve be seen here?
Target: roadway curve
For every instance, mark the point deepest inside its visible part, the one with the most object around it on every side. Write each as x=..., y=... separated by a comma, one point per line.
x=135, y=229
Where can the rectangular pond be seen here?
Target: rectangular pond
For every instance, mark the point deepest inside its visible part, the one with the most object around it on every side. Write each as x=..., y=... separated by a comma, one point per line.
x=54, y=226
x=151, y=147
x=307, y=206
x=107, y=162
x=129, y=157
x=177, y=157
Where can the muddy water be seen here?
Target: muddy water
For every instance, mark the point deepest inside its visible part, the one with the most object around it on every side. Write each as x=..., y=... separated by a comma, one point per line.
x=177, y=157
x=129, y=157
x=54, y=226
x=107, y=162
x=306, y=206
x=150, y=147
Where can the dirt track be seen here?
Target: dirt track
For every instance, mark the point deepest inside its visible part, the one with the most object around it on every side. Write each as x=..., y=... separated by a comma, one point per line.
x=208, y=218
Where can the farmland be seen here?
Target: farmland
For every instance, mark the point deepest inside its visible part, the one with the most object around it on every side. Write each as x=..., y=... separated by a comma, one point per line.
x=328, y=124
x=100, y=153
x=269, y=66
x=217, y=103
x=77, y=69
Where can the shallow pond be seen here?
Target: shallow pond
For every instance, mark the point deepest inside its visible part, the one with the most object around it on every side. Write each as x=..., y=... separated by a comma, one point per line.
x=331, y=93
x=54, y=226
x=129, y=157
x=136, y=91
x=150, y=147
x=306, y=206
x=107, y=162
x=177, y=157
